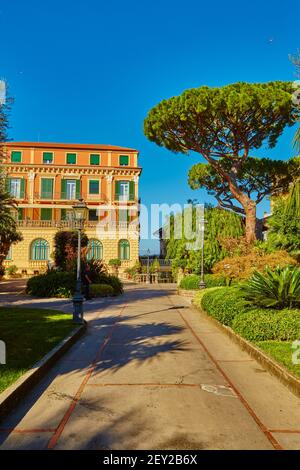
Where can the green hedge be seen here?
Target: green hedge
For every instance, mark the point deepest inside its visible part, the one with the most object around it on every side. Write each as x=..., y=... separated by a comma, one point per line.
x=53, y=284
x=101, y=290
x=62, y=284
x=268, y=324
x=192, y=281
x=224, y=304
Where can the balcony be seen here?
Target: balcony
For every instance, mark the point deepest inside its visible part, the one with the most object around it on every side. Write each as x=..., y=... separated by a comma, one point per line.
x=71, y=198
x=69, y=224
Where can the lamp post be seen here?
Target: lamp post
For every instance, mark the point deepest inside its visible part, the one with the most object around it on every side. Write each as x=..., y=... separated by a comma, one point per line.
x=202, y=284
x=79, y=216
x=148, y=267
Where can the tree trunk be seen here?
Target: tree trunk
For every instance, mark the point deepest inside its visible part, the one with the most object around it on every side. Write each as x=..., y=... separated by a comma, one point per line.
x=250, y=212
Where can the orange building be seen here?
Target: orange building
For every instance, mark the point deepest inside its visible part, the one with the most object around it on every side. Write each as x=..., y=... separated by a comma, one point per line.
x=46, y=179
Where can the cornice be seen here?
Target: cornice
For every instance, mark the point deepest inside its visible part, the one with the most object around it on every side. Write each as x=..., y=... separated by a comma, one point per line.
x=74, y=170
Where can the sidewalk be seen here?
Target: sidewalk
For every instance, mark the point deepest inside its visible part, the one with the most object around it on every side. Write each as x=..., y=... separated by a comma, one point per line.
x=151, y=373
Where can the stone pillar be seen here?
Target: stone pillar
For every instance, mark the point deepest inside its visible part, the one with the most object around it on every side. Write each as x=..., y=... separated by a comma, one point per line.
x=180, y=275
x=136, y=186
x=109, y=180
x=30, y=189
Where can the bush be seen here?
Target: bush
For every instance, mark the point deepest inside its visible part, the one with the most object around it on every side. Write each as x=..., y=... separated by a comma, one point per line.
x=267, y=324
x=98, y=270
x=101, y=290
x=192, y=281
x=199, y=295
x=65, y=248
x=115, y=283
x=224, y=304
x=242, y=267
x=52, y=284
x=279, y=288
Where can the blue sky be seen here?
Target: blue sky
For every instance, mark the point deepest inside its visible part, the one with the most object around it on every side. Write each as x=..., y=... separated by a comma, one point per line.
x=89, y=71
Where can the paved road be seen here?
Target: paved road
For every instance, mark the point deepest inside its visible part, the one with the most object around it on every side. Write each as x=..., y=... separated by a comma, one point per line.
x=152, y=373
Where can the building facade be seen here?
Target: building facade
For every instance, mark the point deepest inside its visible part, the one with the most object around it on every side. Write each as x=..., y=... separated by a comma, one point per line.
x=46, y=179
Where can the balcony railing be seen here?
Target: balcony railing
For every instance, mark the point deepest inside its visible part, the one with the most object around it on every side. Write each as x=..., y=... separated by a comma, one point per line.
x=59, y=224
x=66, y=196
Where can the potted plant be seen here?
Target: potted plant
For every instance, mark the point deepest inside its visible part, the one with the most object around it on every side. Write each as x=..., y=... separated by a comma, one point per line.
x=115, y=263
x=12, y=271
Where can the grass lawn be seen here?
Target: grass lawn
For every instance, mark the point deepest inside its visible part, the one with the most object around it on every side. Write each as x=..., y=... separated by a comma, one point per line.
x=29, y=333
x=282, y=352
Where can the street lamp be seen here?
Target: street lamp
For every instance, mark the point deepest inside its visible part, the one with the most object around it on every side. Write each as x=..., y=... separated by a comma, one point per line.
x=79, y=216
x=148, y=267
x=202, y=284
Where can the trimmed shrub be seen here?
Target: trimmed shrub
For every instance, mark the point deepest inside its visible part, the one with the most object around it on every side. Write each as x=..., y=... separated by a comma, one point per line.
x=101, y=290
x=52, y=284
x=224, y=304
x=267, y=324
x=198, y=297
x=192, y=281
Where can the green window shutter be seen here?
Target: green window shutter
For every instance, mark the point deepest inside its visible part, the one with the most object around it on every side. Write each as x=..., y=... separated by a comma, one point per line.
x=94, y=159
x=47, y=188
x=77, y=189
x=22, y=192
x=94, y=187
x=124, y=160
x=46, y=214
x=20, y=213
x=47, y=157
x=7, y=185
x=63, y=214
x=131, y=190
x=63, y=189
x=16, y=156
x=71, y=158
x=117, y=190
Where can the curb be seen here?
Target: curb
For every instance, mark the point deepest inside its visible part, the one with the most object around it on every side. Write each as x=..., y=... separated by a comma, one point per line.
x=15, y=392
x=286, y=377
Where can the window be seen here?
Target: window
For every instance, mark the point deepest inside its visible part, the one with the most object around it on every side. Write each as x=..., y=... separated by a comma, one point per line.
x=124, y=250
x=47, y=188
x=124, y=160
x=124, y=190
x=9, y=254
x=16, y=156
x=20, y=213
x=39, y=250
x=66, y=214
x=93, y=214
x=94, y=187
x=95, y=250
x=70, y=189
x=46, y=214
x=94, y=159
x=47, y=157
x=71, y=158
x=16, y=187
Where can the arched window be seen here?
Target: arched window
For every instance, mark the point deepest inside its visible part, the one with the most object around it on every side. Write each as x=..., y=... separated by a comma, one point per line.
x=95, y=249
x=124, y=250
x=39, y=249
